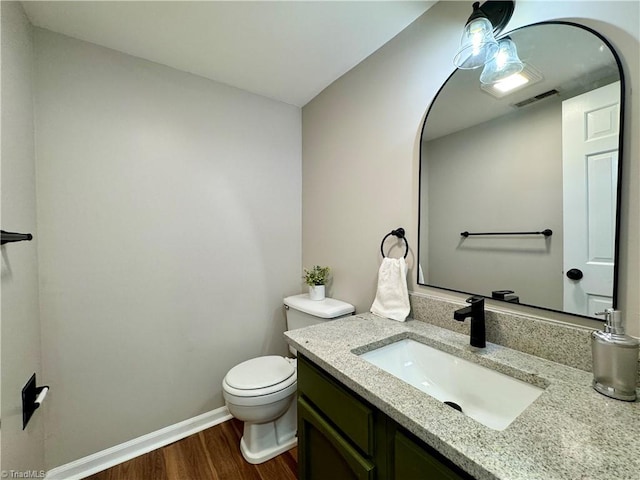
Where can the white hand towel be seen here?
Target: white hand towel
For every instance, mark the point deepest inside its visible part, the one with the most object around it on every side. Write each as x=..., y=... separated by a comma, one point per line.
x=392, y=297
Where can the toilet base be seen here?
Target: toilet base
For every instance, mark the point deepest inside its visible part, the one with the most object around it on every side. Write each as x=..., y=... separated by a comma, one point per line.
x=266, y=454
x=263, y=441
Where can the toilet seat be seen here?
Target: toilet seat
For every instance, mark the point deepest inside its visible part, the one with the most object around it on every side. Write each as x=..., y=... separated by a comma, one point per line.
x=270, y=378
x=261, y=372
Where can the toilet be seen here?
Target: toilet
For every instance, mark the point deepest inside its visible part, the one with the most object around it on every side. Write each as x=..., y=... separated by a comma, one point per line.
x=261, y=391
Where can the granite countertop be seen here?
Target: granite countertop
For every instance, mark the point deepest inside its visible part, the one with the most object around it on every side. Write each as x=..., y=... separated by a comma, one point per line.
x=570, y=432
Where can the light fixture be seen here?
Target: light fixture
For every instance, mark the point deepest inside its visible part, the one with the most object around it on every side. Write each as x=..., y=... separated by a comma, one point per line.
x=514, y=82
x=510, y=83
x=505, y=64
x=478, y=44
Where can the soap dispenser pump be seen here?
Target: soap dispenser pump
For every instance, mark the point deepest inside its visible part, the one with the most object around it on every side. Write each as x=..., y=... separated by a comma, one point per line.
x=615, y=359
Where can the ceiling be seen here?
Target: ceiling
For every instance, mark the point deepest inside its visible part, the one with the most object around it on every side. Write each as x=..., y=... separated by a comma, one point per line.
x=285, y=50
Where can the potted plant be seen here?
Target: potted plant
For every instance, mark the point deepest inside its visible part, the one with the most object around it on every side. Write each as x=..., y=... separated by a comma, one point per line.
x=316, y=277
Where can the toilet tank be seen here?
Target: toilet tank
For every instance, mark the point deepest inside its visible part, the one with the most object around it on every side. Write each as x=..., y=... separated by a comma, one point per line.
x=304, y=312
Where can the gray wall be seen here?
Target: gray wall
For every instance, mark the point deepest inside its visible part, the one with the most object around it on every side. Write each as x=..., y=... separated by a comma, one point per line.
x=169, y=219
x=169, y=216
x=361, y=147
x=20, y=327
x=502, y=175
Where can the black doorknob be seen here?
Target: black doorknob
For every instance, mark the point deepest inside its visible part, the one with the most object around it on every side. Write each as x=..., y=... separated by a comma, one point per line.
x=575, y=274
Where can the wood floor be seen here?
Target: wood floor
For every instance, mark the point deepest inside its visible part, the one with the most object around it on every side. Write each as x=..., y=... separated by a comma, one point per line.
x=211, y=454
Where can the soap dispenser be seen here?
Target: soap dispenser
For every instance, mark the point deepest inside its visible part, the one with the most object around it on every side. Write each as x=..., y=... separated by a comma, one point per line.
x=615, y=359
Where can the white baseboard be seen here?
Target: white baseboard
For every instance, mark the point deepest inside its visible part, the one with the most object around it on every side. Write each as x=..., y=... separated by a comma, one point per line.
x=99, y=461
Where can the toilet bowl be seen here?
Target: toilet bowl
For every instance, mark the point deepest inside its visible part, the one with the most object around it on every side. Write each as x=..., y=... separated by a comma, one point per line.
x=261, y=391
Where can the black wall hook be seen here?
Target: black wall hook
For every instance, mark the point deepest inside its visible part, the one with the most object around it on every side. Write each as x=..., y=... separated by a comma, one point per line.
x=8, y=237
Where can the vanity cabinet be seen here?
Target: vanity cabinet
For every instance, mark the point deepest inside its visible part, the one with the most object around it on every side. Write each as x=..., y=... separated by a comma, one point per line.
x=325, y=453
x=415, y=460
x=343, y=437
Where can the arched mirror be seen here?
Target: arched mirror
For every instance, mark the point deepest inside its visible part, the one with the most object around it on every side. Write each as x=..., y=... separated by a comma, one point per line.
x=520, y=188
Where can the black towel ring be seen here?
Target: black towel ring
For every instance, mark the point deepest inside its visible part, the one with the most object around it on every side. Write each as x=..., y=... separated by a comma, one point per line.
x=398, y=232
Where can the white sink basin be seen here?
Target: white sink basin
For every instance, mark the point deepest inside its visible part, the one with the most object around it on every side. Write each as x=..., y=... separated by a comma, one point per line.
x=487, y=396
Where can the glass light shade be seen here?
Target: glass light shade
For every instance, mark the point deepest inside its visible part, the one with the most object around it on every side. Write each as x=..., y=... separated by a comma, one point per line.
x=503, y=65
x=477, y=45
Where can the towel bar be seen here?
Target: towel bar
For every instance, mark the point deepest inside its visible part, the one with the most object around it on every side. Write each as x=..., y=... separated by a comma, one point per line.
x=547, y=233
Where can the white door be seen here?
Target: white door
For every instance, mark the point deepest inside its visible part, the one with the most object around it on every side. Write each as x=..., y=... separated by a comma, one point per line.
x=590, y=125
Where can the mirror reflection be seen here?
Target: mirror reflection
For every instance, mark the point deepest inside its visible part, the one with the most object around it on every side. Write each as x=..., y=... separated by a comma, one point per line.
x=502, y=162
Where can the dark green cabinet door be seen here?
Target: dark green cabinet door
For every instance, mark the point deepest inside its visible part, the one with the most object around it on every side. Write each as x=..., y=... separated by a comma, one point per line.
x=322, y=452
x=414, y=461
x=350, y=415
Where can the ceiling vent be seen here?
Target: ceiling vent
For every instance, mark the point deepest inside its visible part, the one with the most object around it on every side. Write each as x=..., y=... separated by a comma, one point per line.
x=537, y=98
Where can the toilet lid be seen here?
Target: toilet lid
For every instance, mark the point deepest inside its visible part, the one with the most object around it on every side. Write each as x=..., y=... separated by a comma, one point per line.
x=259, y=372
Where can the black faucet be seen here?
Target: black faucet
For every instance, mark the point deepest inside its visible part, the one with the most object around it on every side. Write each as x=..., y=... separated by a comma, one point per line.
x=475, y=312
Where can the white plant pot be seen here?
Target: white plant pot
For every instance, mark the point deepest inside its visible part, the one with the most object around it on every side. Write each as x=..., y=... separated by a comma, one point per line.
x=316, y=292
